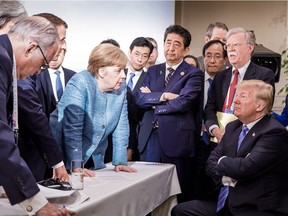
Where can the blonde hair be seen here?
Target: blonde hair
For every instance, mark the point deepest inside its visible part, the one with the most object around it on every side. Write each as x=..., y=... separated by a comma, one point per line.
x=105, y=55
x=263, y=91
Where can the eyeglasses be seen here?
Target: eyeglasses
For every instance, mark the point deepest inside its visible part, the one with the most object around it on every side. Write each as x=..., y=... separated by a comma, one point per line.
x=46, y=64
x=235, y=44
x=215, y=57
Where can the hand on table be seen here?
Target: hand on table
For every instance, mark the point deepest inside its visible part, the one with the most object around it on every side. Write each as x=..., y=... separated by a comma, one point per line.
x=61, y=173
x=145, y=89
x=124, y=168
x=53, y=210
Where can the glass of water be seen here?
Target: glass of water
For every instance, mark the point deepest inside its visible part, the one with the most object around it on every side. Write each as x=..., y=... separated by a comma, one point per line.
x=77, y=174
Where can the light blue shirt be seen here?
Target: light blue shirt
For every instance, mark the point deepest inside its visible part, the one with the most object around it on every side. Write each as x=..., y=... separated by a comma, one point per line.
x=86, y=116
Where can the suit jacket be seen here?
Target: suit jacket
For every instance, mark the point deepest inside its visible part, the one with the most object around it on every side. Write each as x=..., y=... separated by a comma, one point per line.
x=15, y=175
x=45, y=91
x=84, y=118
x=179, y=119
x=283, y=118
x=220, y=86
x=135, y=113
x=36, y=144
x=260, y=166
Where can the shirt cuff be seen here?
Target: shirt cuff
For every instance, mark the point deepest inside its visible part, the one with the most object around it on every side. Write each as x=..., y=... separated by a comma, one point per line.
x=58, y=165
x=2, y=191
x=162, y=97
x=211, y=128
x=221, y=159
x=34, y=204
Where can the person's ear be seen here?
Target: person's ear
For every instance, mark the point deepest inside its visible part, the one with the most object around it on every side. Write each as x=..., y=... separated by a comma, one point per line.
x=30, y=48
x=101, y=72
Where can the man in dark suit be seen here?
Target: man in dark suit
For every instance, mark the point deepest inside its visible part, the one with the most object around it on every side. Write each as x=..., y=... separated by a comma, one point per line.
x=19, y=59
x=172, y=94
x=250, y=164
x=240, y=45
x=46, y=82
x=38, y=147
x=139, y=52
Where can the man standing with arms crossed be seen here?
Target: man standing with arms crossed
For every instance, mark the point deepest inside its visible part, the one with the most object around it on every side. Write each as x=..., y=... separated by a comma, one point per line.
x=172, y=94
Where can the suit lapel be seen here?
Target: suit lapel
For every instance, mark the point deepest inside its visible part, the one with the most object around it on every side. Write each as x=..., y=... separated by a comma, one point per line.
x=249, y=140
x=139, y=81
x=178, y=74
x=250, y=72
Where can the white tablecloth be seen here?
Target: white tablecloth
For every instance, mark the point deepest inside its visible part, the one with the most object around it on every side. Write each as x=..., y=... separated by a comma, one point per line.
x=152, y=188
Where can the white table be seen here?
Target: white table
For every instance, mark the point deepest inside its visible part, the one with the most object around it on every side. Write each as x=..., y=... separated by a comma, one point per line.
x=131, y=194
x=153, y=188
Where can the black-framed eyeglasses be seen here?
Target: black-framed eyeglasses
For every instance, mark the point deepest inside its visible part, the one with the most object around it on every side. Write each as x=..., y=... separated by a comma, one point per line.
x=46, y=64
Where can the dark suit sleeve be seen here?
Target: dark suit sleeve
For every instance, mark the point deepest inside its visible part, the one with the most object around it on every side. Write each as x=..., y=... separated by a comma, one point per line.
x=147, y=100
x=33, y=119
x=16, y=177
x=270, y=149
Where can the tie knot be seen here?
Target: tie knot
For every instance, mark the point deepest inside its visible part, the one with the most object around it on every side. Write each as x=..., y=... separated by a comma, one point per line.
x=132, y=75
x=210, y=81
x=57, y=72
x=170, y=69
x=245, y=129
x=235, y=72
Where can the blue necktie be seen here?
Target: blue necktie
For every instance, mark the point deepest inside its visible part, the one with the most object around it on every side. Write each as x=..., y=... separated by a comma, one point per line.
x=242, y=135
x=59, y=87
x=130, y=82
x=225, y=189
x=169, y=75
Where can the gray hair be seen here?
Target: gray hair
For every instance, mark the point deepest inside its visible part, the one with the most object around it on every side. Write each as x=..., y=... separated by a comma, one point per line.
x=10, y=10
x=36, y=29
x=250, y=37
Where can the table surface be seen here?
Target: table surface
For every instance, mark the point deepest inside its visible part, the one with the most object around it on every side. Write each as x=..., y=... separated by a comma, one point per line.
x=135, y=194
x=123, y=194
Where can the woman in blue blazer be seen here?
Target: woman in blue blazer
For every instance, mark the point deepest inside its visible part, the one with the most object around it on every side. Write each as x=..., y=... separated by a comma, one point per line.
x=93, y=106
x=283, y=117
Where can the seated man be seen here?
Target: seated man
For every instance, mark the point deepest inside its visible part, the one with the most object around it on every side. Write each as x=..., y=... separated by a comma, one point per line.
x=251, y=160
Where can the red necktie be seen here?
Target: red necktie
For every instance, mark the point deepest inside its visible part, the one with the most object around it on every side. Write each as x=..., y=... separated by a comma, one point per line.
x=231, y=94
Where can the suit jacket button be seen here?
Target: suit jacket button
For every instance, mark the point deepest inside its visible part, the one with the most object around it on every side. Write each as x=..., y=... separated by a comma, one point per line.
x=29, y=208
x=103, y=126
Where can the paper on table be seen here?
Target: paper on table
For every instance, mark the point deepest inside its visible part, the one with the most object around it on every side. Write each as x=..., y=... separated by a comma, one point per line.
x=68, y=198
x=223, y=120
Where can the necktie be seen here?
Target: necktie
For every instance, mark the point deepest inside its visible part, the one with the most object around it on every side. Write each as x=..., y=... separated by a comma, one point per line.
x=231, y=94
x=59, y=87
x=242, y=135
x=130, y=82
x=206, y=136
x=210, y=85
x=169, y=75
x=225, y=189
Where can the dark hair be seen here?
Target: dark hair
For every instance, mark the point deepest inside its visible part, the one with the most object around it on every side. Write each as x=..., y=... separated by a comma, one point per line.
x=211, y=27
x=111, y=41
x=177, y=29
x=55, y=20
x=142, y=42
x=195, y=59
x=209, y=43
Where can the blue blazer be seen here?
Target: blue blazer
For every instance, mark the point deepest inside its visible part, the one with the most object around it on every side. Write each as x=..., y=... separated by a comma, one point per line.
x=45, y=91
x=283, y=118
x=179, y=119
x=16, y=177
x=85, y=117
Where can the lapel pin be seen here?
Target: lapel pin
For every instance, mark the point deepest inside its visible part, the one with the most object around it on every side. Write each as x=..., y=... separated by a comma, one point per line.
x=182, y=73
x=160, y=72
x=253, y=135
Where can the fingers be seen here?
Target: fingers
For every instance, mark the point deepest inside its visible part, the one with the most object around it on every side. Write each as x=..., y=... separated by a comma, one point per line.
x=89, y=173
x=124, y=168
